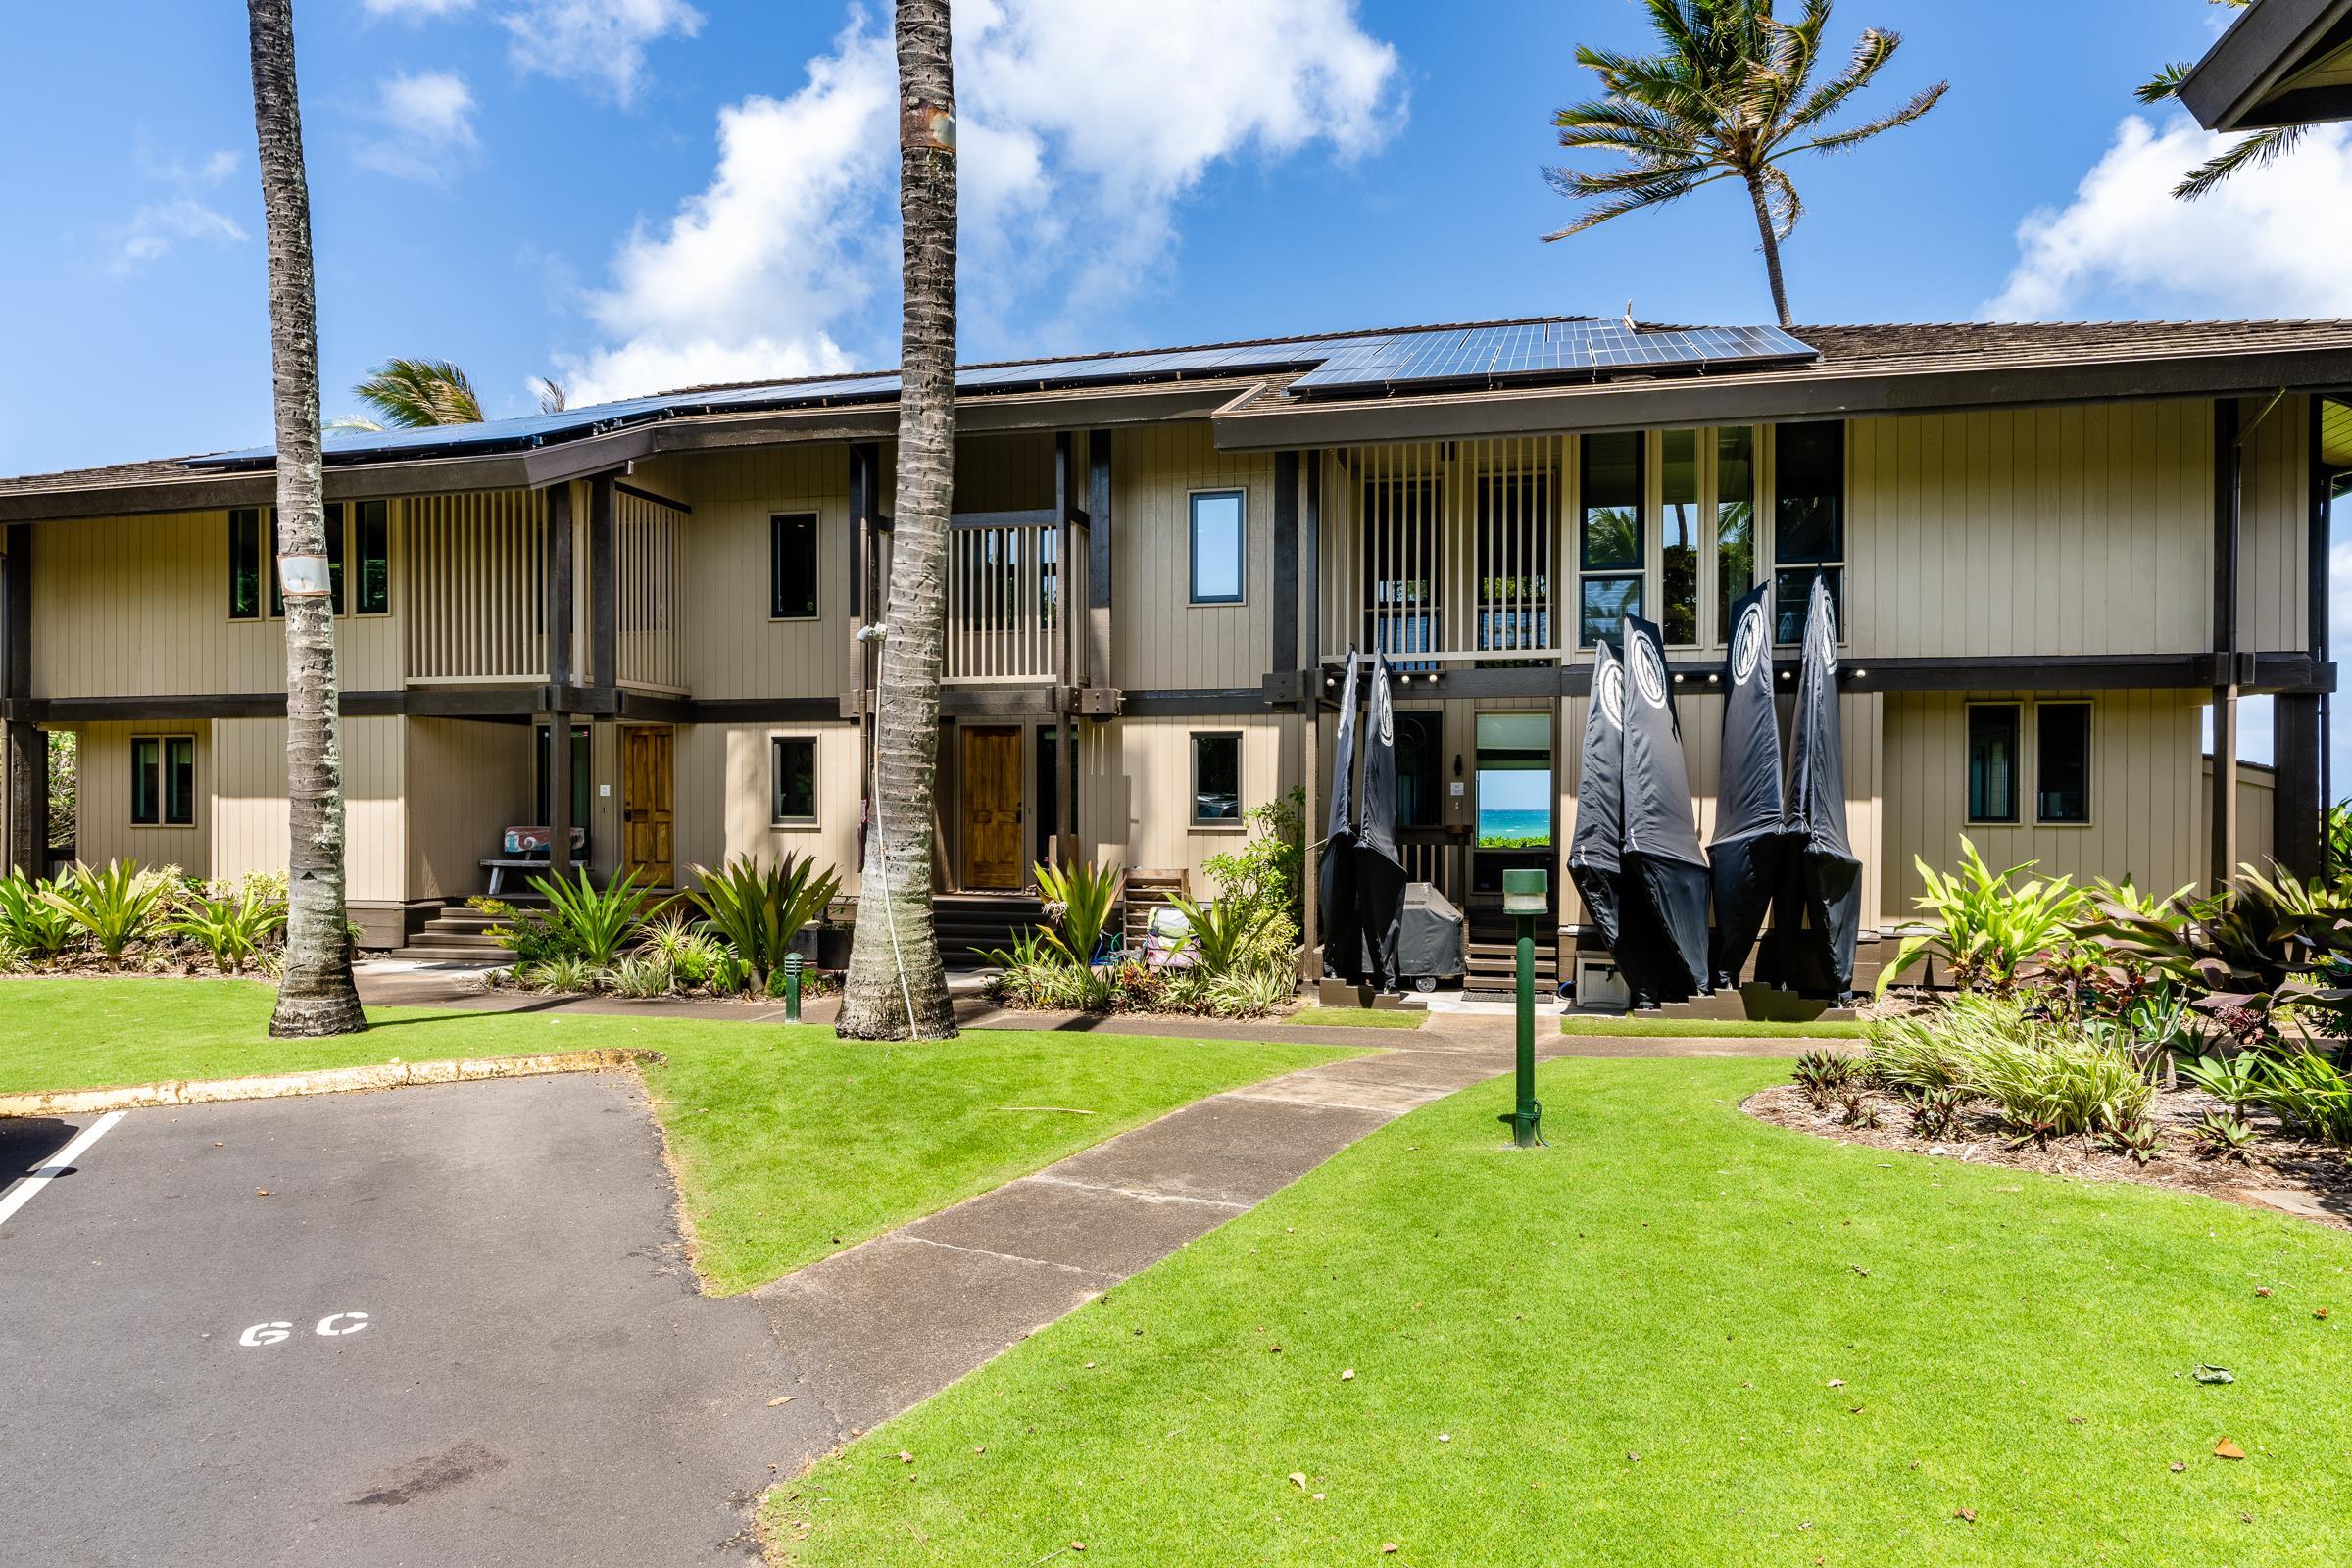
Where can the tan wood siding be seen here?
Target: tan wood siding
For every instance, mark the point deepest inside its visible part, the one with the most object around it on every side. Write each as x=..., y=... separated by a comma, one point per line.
x=731, y=646
x=725, y=797
x=1135, y=787
x=2257, y=810
x=103, y=830
x=2274, y=595
x=468, y=781
x=1162, y=641
x=249, y=789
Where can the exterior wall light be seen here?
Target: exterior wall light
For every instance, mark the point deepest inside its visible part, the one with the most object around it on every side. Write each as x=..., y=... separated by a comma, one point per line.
x=304, y=577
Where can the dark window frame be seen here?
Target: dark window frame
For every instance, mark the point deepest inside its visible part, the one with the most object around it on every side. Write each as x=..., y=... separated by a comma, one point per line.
x=260, y=551
x=2017, y=762
x=2041, y=761
x=366, y=519
x=1427, y=726
x=1828, y=481
x=1239, y=817
x=1241, y=547
x=584, y=767
x=1589, y=575
x=171, y=752
x=777, y=815
x=778, y=601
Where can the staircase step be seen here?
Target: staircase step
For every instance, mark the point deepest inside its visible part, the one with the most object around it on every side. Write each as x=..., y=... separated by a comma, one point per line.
x=442, y=952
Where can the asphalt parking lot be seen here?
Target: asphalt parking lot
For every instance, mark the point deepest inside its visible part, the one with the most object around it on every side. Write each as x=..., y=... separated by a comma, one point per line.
x=448, y=1325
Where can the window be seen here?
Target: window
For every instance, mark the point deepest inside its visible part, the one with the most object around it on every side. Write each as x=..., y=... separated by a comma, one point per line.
x=1420, y=769
x=792, y=565
x=1677, y=537
x=1735, y=521
x=1219, y=537
x=1608, y=541
x=1218, y=779
x=2062, y=763
x=253, y=556
x=794, y=764
x=373, y=524
x=245, y=558
x=162, y=780
x=1992, y=735
x=1808, y=522
x=542, y=802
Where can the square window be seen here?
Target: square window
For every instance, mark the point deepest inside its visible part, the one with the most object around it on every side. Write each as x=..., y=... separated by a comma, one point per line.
x=1606, y=601
x=792, y=566
x=1219, y=532
x=794, y=758
x=1217, y=777
x=2062, y=763
x=1992, y=734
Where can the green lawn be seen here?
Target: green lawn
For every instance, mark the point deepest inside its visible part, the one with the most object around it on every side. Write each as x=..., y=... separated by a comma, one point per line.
x=1676, y=1335
x=1357, y=1017
x=789, y=1143
x=1629, y=1028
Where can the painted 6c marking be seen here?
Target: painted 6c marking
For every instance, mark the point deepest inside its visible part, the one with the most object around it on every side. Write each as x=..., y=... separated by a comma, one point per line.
x=332, y=1326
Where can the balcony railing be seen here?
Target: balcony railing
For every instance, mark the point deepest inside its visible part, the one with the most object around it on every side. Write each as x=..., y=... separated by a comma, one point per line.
x=1005, y=591
x=647, y=648
x=476, y=567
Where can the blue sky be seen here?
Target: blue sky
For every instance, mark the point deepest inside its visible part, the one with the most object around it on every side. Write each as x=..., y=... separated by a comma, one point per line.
x=633, y=194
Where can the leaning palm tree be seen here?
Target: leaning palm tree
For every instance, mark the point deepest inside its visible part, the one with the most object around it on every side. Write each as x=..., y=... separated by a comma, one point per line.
x=315, y=995
x=1728, y=97
x=2251, y=151
x=897, y=986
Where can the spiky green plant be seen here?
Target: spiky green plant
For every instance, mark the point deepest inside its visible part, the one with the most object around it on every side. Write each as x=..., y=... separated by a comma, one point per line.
x=1080, y=902
x=32, y=922
x=232, y=925
x=1221, y=933
x=117, y=908
x=760, y=909
x=2315, y=1093
x=1987, y=926
x=592, y=923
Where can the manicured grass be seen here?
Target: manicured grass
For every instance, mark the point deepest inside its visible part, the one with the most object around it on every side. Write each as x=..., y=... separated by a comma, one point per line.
x=1357, y=1017
x=1631, y=1028
x=789, y=1143
x=1678, y=1337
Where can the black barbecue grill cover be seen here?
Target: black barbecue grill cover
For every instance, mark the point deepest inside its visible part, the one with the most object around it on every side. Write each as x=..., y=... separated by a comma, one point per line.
x=1663, y=949
x=1745, y=861
x=1593, y=864
x=1379, y=869
x=1342, y=937
x=1431, y=937
x=1819, y=907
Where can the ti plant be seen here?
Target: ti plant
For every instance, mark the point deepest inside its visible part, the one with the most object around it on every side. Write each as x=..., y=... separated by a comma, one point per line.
x=1079, y=902
x=1988, y=927
x=1823, y=1075
x=761, y=910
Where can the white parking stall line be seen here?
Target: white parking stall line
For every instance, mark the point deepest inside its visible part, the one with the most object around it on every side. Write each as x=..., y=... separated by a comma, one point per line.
x=21, y=1193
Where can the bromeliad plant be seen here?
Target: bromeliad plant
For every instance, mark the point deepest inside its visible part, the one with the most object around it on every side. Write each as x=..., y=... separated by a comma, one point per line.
x=1079, y=902
x=759, y=910
x=1988, y=927
x=231, y=925
x=32, y=922
x=117, y=907
x=1222, y=934
x=592, y=923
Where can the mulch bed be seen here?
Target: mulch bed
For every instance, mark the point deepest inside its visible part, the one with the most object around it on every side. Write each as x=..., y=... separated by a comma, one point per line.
x=2277, y=1163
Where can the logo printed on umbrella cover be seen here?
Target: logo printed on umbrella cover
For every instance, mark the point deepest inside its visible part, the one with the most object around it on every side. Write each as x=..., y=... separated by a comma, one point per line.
x=1609, y=687
x=1747, y=647
x=1649, y=671
x=1824, y=629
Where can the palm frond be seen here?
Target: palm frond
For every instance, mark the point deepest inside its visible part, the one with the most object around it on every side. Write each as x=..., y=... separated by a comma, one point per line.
x=412, y=394
x=2165, y=83
x=1871, y=52
x=1781, y=200
x=1838, y=141
x=1631, y=197
x=553, y=396
x=2253, y=152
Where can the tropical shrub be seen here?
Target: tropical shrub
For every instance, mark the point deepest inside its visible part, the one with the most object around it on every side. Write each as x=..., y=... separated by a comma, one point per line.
x=759, y=911
x=2312, y=1093
x=2258, y=960
x=640, y=974
x=564, y=972
x=1988, y=927
x=1265, y=877
x=1937, y=1050
x=591, y=924
x=1822, y=1075
x=1222, y=934
x=116, y=908
x=36, y=925
x=1936, y=1113
x=2236, y=1081
x=1254, y=992
x=1079, y=902
x=2050, y=1084
x=2221, y=1135
x=231, y=925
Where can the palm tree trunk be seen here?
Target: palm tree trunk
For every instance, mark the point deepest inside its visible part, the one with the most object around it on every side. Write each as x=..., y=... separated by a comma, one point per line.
x=897, y=986
x=1772, y=251
x=316, y=995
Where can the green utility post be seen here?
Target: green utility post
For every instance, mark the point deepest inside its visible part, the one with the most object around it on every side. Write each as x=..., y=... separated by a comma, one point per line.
x=1524, y=899
x=792, y=988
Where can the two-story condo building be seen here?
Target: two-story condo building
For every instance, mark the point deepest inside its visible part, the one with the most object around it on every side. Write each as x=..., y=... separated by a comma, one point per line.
x=2053, y=548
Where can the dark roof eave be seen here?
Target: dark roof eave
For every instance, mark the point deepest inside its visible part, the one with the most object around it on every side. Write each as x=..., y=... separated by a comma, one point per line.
x=2227, y=88
x=1263, y=420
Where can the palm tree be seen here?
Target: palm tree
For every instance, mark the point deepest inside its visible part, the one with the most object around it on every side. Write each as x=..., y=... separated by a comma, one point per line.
x=897, y=986
x=315, y=995
x=1728, y=97
x=2251, y=151
x=412, y=394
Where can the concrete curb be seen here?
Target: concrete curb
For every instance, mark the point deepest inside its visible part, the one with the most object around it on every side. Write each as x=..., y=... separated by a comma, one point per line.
x=323, y=1081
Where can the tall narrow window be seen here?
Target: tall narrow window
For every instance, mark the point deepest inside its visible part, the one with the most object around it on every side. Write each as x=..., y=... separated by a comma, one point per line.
x=1992, y=733
x=2062, y=763
x=579, y=778
x=334, y=555
x=792, y=565
x=1609, y=539
x=1420, y=769
x=1217, y=777
x=1735, y=521
x=1808, y=522
x=794, y=758
x=146, y=780
x=371, y=528
x=1219, y=533
x=180, y=780
x=245, y=563
x=1677, y=537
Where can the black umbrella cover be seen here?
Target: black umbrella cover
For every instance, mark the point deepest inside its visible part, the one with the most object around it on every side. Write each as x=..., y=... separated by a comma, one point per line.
x=1594, y=861
x=1342, y=937
x=1817, y=914
x=1379, y=868
x=1743, y=863
x=1663, y=954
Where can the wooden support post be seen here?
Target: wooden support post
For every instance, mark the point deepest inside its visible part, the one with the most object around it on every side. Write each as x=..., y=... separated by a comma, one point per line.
x=1100, y=539
x=1072, y=676
x=25, y=744
x=1285, y=653
x=1310, y=611
x=603, y=584
x=2299, y=815
x=2228, y=463
x=561, y=670
x=558, y=794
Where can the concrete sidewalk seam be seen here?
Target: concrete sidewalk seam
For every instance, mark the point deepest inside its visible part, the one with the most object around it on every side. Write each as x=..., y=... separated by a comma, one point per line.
x=982, y=1251
x=1142, y=1194
x=318, y=1081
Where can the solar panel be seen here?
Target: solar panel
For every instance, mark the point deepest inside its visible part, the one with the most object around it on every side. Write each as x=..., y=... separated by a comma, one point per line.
x=1489, y=354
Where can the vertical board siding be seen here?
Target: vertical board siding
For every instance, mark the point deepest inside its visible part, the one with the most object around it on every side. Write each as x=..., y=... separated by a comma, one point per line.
x=1135, y=788
x=477, y=586
x=725, y=798
x=2257, y=809
x=650, y=651
x=1163, y=642
x=2274, y=603
x=732, y=648
x=102, y=827
x=250, y=827
x=467, y=782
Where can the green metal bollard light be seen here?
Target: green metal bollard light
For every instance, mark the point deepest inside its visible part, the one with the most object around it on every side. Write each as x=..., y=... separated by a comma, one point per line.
x=792, y=987
x=1524, y=899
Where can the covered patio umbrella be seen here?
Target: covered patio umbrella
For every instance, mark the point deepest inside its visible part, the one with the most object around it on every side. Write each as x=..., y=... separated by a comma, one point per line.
x=1379, y=868
x=1342, y=937
x=1663, y=953
x=1811, y=949
x=1593, y=862
x=1745, y=861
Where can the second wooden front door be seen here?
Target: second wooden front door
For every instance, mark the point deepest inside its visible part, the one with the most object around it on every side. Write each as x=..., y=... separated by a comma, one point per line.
x=992, y=808
x=646, y=803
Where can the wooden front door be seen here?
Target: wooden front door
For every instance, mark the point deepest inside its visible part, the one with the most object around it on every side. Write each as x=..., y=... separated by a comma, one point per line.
x=992, y=808
x=646, y=803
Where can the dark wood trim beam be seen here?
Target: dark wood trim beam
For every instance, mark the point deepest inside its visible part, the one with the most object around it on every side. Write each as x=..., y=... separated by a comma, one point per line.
x=768, y=711
x=2228, y=89
x=559, y=585
x=2299, y=812
x=643, y=494
x=1018, y=517
x=24, y=748
x=1310, y=560
x=2228, y=478
x=603, y=584
x=1284, y=654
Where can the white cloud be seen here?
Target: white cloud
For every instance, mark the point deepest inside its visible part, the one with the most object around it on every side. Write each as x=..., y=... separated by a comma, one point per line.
x=427, y=120
x=157, y=227
x=415, y=10
x=2269, y=242
x=601, y=42
x=1082, y=128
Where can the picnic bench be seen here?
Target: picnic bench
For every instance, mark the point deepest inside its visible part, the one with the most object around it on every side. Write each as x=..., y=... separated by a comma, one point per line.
x=526, y=849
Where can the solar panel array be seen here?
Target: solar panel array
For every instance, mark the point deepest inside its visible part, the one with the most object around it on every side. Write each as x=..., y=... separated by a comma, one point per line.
x=1474, y=354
